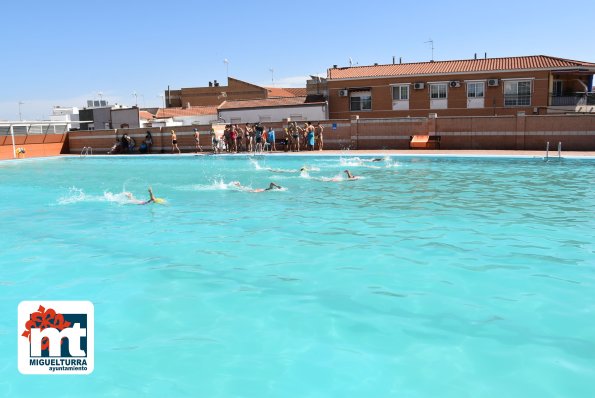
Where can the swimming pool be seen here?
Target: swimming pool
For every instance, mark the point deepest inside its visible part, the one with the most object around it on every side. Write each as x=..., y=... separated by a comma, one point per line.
x=427, y=277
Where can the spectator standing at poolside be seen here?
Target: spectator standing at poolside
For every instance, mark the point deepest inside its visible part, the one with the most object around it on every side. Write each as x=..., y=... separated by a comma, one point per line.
x=310, y=136
x=227, y=137
x=271, y=139
x=240, y=140
x=304, y=136
x=174, y=142
x=249, y=138
x=233, y=135
x=287, y=140
x=214, y=141
x=295, y=136
x=197, y=141
x=258, y=130
x=319, y=139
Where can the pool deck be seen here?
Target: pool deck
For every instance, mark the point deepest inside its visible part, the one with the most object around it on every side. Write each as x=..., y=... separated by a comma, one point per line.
x=444, y=152
x=404, y=152
x=377, y=152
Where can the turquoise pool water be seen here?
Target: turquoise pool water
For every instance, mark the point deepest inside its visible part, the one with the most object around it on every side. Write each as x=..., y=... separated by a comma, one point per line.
x=427, y=277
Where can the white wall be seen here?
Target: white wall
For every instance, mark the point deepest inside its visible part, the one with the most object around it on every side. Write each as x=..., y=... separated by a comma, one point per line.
x=197, y=119
x=252, y=115
x=166, y=123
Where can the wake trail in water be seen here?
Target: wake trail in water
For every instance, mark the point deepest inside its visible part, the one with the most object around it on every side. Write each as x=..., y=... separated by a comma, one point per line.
x=78, y=195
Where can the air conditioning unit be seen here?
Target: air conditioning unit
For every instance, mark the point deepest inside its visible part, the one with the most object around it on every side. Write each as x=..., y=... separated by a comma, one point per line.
x=418, y=86
x=343, y=93
x=455, y=83
x=493, y=82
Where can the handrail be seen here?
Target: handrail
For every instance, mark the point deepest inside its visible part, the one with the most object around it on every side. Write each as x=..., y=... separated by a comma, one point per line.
x=86, y=151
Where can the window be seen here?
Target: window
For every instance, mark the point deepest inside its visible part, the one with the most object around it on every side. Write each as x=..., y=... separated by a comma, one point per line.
x=401, y=93
x=438, y=91
x=557, y=89
x=475, y=90
x=264, y=119
x=517, y=93
x=361, y=101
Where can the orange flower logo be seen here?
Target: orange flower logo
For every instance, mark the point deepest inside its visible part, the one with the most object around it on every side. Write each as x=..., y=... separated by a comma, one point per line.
x=43, y=319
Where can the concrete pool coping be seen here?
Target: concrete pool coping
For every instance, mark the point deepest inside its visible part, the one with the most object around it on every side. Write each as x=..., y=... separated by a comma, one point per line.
x=353, y=153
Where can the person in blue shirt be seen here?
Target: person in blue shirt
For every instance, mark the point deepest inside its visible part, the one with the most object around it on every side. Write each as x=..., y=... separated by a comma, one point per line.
x=310, y=136
x=271, y=139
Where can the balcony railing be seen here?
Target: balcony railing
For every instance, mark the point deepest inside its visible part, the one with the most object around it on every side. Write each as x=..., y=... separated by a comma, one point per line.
x=568, y=100
x=517, y=99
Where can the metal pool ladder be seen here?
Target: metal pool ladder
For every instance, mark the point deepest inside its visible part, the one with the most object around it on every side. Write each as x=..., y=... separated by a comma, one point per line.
x=547, y=151
x=87, y=150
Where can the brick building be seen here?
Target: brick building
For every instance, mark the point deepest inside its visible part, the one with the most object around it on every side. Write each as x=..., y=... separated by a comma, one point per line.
x=214, y=94
x=475, y=87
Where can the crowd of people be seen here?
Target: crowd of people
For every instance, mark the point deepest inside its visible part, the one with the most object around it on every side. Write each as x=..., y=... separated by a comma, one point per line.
x=252, y=137
x=127, y=144
x=255, y=137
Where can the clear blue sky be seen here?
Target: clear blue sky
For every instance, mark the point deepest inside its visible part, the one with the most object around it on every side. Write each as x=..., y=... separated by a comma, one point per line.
x=63, y=52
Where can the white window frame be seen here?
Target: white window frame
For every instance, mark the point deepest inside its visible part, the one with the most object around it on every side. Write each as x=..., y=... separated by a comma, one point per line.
x=516, y=82
x=474, y=85
x=431, y=86
x=397, y=88
x=367, y=95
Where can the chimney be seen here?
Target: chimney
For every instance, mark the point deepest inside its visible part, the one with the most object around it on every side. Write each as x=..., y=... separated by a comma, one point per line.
x=375, y=63
x=334, y=66
x=210, y=84
x=393, y=59
x=400, y=60
x=475, y=56
x=485, y=55
x=216, y=83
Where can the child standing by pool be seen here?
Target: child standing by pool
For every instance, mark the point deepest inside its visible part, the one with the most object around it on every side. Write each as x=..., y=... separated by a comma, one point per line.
x=174, y=142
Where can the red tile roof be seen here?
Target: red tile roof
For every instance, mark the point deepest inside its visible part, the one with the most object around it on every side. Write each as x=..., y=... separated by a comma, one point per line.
x=266, y=103
x=298, y=91
x=145, y=115
x=191, y=111
x=459, y=66
x=285, y=92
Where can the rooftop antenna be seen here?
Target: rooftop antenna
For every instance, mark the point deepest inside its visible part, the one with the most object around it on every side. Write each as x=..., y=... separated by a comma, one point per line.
x=272, y=76
x=226, y=62
x=431, y=44
x=350, y=62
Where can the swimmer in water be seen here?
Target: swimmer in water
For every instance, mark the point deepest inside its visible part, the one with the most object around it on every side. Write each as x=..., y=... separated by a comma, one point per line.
x=350, y=176
x=152, y=198
x=272, y=186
